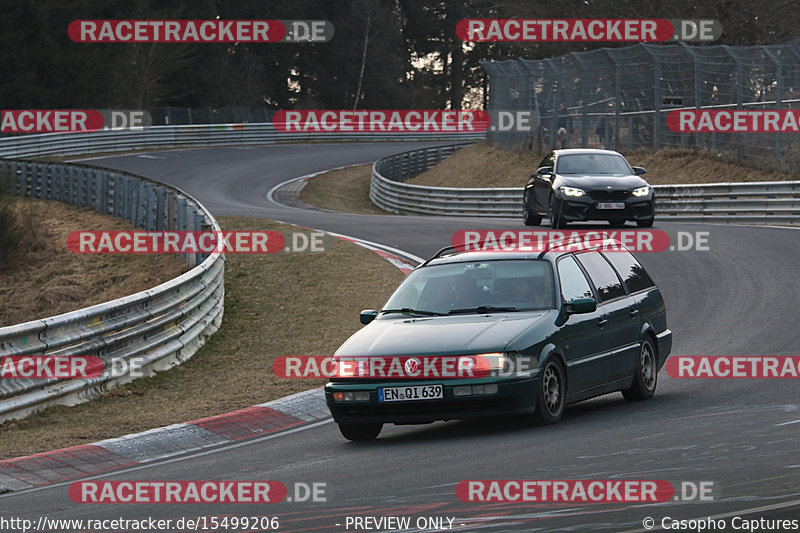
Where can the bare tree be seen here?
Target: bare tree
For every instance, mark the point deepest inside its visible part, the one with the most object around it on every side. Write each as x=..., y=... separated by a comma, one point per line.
x=363, y=62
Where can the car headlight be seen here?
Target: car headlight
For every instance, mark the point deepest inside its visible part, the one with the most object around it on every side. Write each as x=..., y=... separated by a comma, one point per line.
x=506, y=364
x=642, y=191
x=571, y=191
x=494, y=361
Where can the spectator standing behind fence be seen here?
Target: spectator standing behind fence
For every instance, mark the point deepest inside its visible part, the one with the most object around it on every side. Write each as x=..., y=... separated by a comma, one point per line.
x=604, y=132
x=564, y=126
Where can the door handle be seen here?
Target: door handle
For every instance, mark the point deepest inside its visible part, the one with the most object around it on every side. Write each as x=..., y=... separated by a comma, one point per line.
x=634, y=313
x=602, y=322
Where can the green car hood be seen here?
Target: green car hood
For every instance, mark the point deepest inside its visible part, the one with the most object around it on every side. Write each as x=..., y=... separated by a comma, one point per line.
x=450, y=335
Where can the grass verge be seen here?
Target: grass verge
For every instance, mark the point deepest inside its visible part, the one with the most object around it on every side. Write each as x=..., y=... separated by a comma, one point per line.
x=277, y=304
x=345, y=189
x=482, y=165
x=43, y=278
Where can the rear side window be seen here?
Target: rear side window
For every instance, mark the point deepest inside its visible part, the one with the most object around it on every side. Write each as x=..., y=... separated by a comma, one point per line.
x=631, y=272
x=573, y=282
x=602, y=275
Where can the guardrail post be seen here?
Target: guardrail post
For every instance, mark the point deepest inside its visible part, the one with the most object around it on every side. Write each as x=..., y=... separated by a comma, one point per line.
x=150, y=208
x=141, y=205
x=120, y=188
x=101, y=192
x=86, y=179
x=111, y=194
x=70, y=194
x=25, y=187
x=199, y=219
x=161, y=209
x=172, y=211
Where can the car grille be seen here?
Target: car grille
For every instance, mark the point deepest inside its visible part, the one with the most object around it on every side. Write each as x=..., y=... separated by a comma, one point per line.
x=608, y=196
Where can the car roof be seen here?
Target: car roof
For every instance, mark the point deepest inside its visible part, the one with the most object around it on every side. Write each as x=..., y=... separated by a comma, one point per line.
x=568, y=151
x=451, y=254
x=468, y=257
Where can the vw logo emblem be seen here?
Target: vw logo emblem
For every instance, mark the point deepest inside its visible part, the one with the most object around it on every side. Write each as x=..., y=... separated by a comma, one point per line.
x=411, y=366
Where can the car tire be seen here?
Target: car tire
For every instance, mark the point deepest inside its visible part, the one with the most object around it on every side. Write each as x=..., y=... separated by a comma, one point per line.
x=529, y=216
x=646, y=223
x=555, y=214
x=645, y=378
x=552, y=393
x=360, y=432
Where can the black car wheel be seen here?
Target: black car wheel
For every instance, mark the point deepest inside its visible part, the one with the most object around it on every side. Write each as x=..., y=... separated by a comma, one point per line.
x=555, y=213
x=646, y=223
x=646, y=376
x=552, y=394
x=529, y=216
x=360, y=432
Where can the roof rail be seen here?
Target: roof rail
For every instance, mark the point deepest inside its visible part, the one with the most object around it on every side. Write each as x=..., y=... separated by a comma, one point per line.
x=441, y=252
x=583, y=246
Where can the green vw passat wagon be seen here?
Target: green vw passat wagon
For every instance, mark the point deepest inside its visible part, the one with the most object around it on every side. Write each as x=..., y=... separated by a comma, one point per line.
x=483, y=333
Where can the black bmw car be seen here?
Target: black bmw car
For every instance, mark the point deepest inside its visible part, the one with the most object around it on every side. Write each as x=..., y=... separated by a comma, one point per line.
x=584, y=184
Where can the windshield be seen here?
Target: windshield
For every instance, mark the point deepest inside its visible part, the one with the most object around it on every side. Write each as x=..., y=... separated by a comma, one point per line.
x=594, y=164
x=516, y=285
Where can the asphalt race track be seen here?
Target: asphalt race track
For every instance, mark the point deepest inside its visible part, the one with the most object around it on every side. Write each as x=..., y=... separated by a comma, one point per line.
x=739, y=298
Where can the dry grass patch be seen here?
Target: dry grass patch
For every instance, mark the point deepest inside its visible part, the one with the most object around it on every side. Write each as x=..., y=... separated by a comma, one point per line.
x=482, y=165
x=277, y=304
x=345, y=189
x=688, y=166
x=43, y=278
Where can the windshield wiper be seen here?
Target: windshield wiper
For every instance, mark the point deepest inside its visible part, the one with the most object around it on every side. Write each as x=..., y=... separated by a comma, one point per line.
x=482, y=309
x=409, y=311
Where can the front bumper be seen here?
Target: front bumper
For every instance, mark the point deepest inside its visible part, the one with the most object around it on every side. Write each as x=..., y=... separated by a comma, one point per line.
x=580, y=208
x=513, y=395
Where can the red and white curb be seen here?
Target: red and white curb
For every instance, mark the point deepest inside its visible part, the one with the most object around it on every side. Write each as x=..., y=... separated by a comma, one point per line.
x=65, y=464
x=78, y=461
x=392, y=255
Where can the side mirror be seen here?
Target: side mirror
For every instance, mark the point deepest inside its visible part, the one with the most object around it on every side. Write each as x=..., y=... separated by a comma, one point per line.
x=638, y=170
x=367, y=316
x=580, y=306
x=544, y=170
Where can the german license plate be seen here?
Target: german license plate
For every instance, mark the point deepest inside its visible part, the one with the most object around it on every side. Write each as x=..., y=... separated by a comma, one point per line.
x=414, y=392
x=611, y=205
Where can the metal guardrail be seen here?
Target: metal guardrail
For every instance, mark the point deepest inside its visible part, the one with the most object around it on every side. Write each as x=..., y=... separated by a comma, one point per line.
x=196, y=135
x=743, y=203
x=160, y=327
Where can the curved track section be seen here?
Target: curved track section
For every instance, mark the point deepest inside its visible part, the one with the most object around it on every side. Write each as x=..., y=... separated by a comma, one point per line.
x=738, y=298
